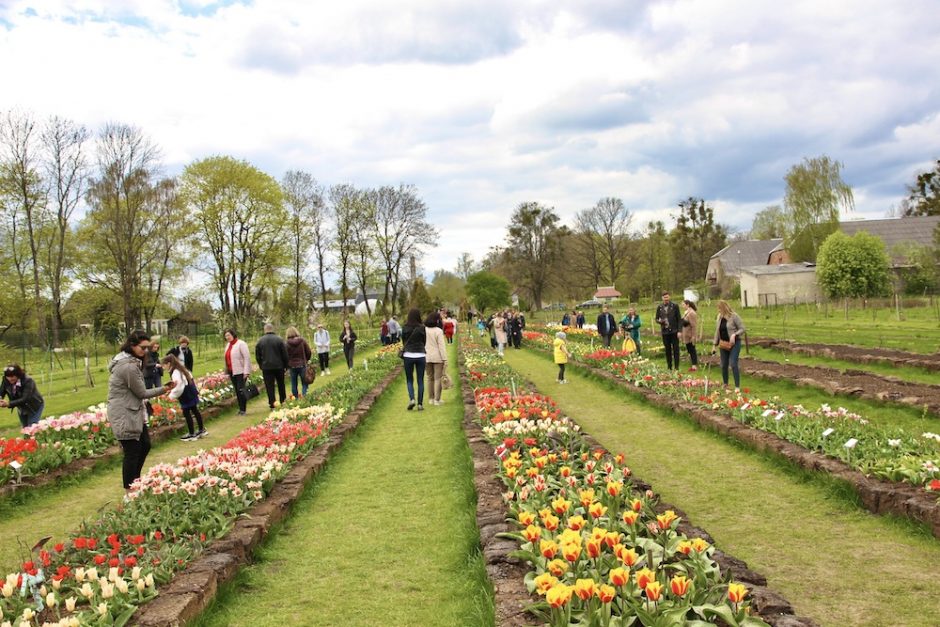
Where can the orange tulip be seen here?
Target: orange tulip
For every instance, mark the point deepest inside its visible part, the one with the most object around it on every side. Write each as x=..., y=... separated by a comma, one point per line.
x=558, y=596
x=544, y=583
x=619, y=458
x=629, y=517
x=548, y=549
x=597, y=510
x=666, y=518
x=619, y=577
x=585, y=588
x=576, y=523
x=614, y=487
x=654, y=590
x=736, y=592
x=594, y=547
x=644, y=577
x=611, y=539
x=636, y=505
x=561, y=505
x=571, y=551
x=532, y=533
x=629, y=557
x=550, y=522
x=606, y=593
x=679, y=585
x=684, y=547
x=557, y=567
x=526, y=518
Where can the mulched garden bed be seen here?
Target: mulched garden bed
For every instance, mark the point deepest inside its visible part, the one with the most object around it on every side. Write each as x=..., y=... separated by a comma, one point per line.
x=856, y=383
x=858, y=354
x=507, y=573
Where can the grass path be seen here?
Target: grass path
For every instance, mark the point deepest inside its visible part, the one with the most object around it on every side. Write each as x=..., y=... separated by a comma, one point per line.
x=834, y=561
x=385, y=536
x=59, y=509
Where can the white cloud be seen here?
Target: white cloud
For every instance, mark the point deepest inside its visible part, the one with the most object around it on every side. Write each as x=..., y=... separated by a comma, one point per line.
x=487, y=104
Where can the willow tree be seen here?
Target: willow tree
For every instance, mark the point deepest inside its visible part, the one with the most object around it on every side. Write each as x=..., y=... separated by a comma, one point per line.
x=815, y=196
x=240, y=216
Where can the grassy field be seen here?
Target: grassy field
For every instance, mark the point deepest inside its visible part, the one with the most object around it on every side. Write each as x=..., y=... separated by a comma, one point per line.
x=835, y=562
x=386, y=535
x=915, y=329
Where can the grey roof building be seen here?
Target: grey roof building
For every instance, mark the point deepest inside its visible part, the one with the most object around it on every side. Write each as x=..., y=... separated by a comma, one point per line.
x=724, y=267
x=896, y=233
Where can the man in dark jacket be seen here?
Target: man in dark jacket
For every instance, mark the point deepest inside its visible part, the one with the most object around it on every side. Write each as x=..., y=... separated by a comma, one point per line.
x=606, y=326
x=182, y=352
x=667, y=315
x=271, y=355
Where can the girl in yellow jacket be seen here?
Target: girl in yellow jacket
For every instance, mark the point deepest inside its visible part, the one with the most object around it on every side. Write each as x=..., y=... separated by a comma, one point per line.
x=561, y=354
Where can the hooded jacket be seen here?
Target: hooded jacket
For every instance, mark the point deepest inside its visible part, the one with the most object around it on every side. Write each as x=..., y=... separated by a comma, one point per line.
x=298, y=352
x=126, y=396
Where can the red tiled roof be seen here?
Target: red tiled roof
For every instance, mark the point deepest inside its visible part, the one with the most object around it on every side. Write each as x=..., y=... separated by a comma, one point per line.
x=606, y=292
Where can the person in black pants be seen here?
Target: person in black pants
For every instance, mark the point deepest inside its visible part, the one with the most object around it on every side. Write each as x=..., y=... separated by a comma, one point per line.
x=606, y=326
x=126, y=396
x=271, y=355
x=667, y=315
x=348, y=338
x=414, y=353
x=182, y=352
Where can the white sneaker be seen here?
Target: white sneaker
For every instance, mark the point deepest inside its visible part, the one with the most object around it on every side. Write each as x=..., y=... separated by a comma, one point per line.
x=327, y=371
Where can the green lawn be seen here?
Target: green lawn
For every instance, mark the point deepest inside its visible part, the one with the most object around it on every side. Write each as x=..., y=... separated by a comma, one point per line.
x=385, y=536
x=834, y=561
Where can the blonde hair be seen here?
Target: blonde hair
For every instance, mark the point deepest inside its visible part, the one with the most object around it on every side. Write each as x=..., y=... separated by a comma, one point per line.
x=724, y=309
x=292, y=332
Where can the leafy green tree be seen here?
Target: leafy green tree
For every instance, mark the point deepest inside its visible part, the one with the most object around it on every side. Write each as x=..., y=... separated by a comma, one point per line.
x=240, y=214
x=853, y=267
x=920, y=274
x=654, y=267
x=447, y=287
x=695, y=238
x=769, y=223
x=533, y=247
x=814, y=197
x=420, y=298
x=487, y=290
x=924, y=195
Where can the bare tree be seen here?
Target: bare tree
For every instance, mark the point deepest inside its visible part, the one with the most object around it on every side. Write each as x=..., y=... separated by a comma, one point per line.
x=343, y=199
x=118, y=226
x=66, y=169
x=603, y=235
x=23, y=183
x=465, y=266
x=163, y=257
x=363, y=243
x=303, y=199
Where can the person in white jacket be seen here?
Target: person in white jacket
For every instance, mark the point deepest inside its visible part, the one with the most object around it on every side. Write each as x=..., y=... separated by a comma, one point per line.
x=321, y=340
x=187, y=394
x=435, y=348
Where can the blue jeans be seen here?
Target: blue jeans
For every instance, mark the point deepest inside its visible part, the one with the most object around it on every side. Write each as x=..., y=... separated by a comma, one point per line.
x=731, y=358
x=297, y=373
x=31, y=419
x=413, y=366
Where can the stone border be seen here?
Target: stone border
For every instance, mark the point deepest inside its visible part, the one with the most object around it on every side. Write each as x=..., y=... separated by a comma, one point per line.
x=507, y=573
x=157, y=435
x=877, y=496
x=192, y=590
x=847, y=352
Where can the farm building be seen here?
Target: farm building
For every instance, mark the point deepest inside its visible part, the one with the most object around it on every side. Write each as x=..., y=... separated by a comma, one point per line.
x=724, y=267
x=606, y=294
x=785, y=283
x=897, y=234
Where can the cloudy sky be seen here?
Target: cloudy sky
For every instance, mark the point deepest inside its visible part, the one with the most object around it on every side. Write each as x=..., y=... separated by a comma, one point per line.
x=487, y=104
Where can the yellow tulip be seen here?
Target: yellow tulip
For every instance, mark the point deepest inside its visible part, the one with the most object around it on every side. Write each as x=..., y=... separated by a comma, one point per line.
x=736, y=592
x=654, y=590
x=548, y=549
x=585, y=588
x=666, y=519
x=557, y=567
x=544, y=583
x=597, y=510
x=526, y=518
x=532, y=533
x=558, y=596
x=644, y=577
x=561, y=505
x=606, y=593
x=576, y=523
x=618, y=576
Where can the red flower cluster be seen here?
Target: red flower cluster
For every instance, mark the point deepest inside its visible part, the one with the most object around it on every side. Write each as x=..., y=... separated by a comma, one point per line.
x=16, y=449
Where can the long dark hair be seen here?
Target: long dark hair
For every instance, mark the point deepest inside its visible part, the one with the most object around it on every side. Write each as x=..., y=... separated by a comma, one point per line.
x=690, y=304
x=135, y=338
x=175, y=364
x=414, y=318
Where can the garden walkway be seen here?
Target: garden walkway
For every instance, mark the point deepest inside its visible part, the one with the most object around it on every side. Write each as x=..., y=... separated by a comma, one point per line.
x=835, y=562
x=385, y=536
x=59, y=509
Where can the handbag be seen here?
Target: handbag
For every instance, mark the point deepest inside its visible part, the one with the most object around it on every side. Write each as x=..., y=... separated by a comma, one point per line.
x=725, y=345
x=251, y=390
x=310, y=374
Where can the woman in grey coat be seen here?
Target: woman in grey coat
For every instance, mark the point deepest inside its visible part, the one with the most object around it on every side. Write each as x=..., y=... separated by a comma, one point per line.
x=127, y=412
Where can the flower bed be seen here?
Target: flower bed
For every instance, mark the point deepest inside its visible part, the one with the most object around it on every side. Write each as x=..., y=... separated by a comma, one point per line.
x=57, y=441
x=171, y=514
x=600, y=552
x=888, y=453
